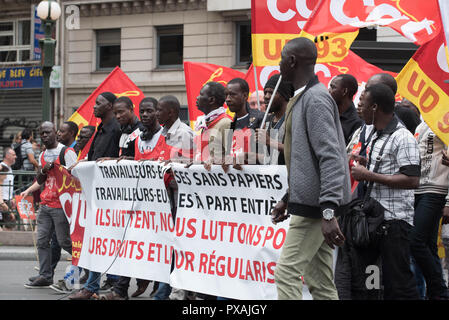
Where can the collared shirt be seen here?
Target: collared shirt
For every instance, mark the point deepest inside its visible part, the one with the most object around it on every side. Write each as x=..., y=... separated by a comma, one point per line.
x=299, y=91
x=179, y=135
x=400, y=156
x=106, y=141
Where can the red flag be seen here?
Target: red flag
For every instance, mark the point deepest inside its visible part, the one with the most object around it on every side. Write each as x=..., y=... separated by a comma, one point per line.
x=273, y=23
x=197, y=75
x=351, y=64
x=335, y=23
x=422, y=81
x=116, y=82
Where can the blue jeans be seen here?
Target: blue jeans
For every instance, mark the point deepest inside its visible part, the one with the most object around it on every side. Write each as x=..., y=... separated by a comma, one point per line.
x=424, y=237
x=163, y=291
x=93, y=281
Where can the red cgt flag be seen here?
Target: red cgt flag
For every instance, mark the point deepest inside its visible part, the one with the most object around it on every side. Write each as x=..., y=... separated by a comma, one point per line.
x=273, y=23
x=351, y=64
x=116, y=82
x=335, y=23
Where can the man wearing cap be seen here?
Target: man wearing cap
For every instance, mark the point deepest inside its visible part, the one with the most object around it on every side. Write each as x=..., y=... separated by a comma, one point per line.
x=272, y=134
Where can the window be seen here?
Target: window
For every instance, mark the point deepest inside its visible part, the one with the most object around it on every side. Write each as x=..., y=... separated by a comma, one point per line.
x=170, y=45
x=243, y=42
x=15, y=42
x=108, y=49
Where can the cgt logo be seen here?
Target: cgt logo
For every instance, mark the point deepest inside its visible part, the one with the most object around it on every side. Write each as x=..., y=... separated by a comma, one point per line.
x=302, y=9
x=363, y=13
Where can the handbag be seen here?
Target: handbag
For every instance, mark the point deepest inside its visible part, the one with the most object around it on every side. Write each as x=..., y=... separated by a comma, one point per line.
x=367, y=214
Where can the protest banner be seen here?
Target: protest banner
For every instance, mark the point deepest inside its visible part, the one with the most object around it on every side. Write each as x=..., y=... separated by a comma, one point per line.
x=74, y=205
x=225, y=243
x=129, y=226
x=25, y=207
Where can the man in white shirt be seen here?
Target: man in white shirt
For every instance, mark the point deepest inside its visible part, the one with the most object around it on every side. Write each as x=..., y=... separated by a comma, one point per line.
x=177, y=134
x=7, y=186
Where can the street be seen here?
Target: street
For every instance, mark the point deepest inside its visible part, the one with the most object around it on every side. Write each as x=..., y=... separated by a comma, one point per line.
x=15, y=274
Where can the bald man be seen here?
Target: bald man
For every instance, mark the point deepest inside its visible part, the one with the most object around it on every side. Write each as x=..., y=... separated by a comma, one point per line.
x=318, y=175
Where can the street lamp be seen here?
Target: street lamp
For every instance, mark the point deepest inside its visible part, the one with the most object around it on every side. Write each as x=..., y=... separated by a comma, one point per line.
x=48, y=11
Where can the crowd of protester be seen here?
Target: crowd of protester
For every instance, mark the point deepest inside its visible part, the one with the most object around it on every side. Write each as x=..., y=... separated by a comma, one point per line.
x=334, y=152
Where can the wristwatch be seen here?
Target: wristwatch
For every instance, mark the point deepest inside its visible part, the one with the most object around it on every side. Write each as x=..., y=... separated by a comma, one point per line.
x=328, y=214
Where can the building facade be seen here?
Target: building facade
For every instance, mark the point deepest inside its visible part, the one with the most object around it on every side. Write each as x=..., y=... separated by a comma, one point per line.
x=20, y=72
x=149, y=40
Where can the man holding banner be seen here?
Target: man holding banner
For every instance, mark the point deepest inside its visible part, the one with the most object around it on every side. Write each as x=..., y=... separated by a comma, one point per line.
x=318, y=176
x=209, y=145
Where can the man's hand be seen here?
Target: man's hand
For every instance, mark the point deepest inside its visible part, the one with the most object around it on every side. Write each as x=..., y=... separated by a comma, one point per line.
x=445, y=215
x=356, y=158
x=25, y=193
x=359, y=172
x=75, y=164
x=332, y=233
x=262, y=136
x=279, y=214
x=445, y=159
x=48, y=166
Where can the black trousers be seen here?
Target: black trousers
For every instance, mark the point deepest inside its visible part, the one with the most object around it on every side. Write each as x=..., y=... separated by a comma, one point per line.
x=398, y=279
x=122, y=285
x=392, y=254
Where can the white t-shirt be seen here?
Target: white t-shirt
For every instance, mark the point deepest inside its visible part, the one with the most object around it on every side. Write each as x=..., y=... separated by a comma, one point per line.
x=51, y=155
x=8, y=184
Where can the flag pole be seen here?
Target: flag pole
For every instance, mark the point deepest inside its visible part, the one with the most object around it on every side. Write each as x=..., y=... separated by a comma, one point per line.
x=257, y=87
x=271, y=101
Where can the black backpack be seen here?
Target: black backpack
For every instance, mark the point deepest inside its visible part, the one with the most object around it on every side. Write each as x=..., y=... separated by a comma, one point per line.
x=19, y=160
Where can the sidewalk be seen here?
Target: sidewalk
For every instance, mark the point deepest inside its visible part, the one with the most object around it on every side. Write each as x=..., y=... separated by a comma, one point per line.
x=23, y=253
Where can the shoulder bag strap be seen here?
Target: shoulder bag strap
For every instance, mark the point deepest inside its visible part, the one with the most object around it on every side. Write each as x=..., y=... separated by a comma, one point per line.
x=377, y=165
